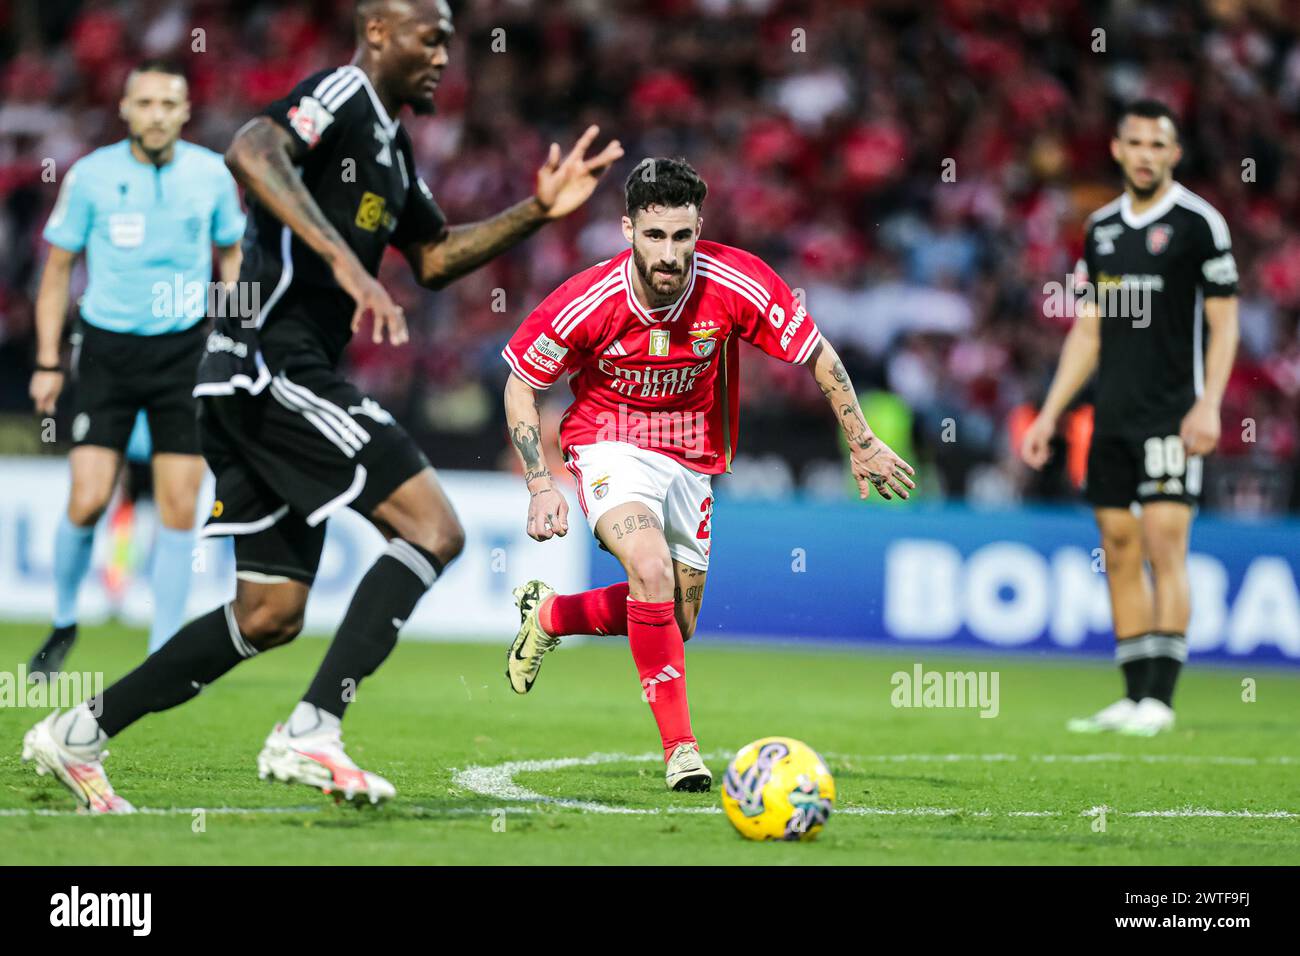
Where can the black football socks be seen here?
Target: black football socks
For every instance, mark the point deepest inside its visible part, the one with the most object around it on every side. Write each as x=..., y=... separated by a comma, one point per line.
x=381, y=604
x=1151, y=664
x=1168, y=654
x=1134, y=660
x=200, y=652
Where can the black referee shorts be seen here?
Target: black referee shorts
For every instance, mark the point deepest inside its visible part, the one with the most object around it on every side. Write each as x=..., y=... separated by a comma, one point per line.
x=286, y=459
x=1123, y=469
x=118, y=374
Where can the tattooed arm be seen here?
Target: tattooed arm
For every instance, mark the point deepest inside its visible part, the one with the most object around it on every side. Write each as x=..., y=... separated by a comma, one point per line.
x=259, y=158
x=548, y=512
x=872, y=461
x=462, y=249
x=561, y=188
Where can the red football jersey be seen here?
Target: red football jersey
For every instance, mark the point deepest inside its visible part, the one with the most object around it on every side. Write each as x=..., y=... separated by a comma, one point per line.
x=663, y=379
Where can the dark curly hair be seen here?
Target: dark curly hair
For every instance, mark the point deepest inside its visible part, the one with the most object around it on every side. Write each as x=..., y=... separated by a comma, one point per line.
x=664, y=182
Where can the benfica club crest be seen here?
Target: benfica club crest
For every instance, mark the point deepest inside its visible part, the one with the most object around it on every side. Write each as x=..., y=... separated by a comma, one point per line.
x=1158, y=237
x=704, y=343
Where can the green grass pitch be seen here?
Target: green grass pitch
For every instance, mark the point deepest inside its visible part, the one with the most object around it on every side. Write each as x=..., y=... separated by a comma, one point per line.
x=915, y=786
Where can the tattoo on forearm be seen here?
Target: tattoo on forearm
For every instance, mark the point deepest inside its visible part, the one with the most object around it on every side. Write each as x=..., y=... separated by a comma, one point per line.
x=527, y=440
x=835, y=384
x=272, y=179
x=467, y=247
x=839, y=392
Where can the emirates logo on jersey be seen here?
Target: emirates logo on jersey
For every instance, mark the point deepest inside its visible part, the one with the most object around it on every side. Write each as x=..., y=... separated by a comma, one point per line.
x=1158, y=237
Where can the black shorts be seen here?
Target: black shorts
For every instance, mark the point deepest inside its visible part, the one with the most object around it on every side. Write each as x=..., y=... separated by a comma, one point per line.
x=118, y=374
x=1124, y=468
x=289, y=457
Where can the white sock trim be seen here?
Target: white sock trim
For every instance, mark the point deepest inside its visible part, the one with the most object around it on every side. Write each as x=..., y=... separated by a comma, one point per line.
x=242, y=647
x=418, y=564
x=1167, y=645
x=1134, y=649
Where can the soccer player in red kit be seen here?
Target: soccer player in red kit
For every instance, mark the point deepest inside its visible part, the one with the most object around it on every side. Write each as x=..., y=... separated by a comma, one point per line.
x=650, y=342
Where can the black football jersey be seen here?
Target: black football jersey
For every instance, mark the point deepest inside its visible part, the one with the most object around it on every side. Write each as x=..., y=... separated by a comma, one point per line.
x=1150, y=274
x=358, y=164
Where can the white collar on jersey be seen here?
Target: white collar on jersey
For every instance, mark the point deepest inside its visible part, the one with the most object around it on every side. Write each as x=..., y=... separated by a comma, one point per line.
x=390, y=124
x=671, y=312
x=1152, y=214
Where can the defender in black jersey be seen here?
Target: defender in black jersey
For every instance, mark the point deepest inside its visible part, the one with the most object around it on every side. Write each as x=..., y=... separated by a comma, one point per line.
x=1157, y=320
x=332, y=182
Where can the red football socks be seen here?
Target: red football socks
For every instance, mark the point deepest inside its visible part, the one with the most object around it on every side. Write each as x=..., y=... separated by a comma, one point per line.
x=602, y=611
x=660, y=657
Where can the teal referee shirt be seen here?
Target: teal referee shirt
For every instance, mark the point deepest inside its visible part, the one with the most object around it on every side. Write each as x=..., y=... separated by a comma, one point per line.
x=147, y=231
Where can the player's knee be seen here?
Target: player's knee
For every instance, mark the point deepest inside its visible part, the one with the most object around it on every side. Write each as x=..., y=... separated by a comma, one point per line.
x=686, y=624
x=269, y=624
x=651, y=575
x=1121, y=542
x=445, y=540
x=86, y=507
x=176, y=513
x=450, y=543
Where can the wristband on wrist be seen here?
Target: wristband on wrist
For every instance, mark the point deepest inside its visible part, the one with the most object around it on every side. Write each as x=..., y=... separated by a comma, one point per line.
x=50, y=368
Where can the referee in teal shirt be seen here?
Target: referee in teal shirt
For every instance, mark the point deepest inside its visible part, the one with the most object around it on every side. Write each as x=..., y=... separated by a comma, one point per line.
x=147, y=212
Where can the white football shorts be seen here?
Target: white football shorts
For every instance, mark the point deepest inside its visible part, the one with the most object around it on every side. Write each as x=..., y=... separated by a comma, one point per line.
x=613, y=473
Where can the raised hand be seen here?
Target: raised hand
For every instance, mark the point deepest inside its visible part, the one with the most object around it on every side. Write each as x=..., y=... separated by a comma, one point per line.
x=564, y=185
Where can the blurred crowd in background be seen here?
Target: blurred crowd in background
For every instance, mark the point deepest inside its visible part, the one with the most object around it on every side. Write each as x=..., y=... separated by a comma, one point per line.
x=920, y=170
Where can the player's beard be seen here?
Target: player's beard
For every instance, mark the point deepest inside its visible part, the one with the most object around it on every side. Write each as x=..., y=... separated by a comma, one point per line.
x=657, y=296
x=1144, y=192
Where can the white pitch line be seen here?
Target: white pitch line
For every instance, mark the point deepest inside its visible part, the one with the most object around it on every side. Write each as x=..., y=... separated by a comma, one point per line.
x=498, y=782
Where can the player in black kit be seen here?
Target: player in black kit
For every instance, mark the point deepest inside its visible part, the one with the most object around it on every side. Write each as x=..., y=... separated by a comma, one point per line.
x=1158, y=323
x=332, y=182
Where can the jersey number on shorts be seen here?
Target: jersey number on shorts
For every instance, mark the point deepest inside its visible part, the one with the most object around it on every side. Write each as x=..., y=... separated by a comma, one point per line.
x=706, y=526
x=1165, y=457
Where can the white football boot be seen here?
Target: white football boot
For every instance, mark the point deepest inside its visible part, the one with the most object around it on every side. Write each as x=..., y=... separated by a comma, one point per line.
x=686, y=770
x=1110, y=718
x=80, y=768
x=318, y=760
x=524, y=659
x=1149, y=718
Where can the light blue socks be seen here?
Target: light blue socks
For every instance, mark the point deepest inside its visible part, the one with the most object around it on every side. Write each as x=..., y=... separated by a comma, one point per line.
x=72, y=549
x=170, y=581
